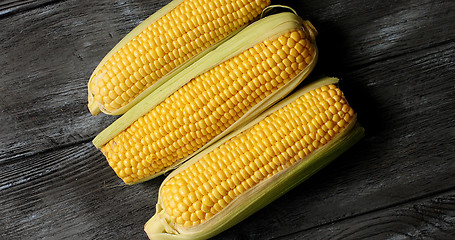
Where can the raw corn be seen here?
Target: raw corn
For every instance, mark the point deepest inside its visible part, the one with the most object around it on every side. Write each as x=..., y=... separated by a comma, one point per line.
x=255, y=164
x=254, y=72
x=167, y=41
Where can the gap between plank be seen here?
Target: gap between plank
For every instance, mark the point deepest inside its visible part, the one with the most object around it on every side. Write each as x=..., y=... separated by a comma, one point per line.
x=55, y=148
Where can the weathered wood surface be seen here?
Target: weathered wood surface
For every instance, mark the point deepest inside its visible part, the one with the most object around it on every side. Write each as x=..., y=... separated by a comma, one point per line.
x=396, y=60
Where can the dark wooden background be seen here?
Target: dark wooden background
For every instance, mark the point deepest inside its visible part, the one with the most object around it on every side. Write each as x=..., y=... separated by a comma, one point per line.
x=396, y=60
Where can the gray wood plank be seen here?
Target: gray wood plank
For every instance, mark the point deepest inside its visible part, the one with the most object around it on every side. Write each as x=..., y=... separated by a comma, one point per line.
x=432, y=218
x=71, y=194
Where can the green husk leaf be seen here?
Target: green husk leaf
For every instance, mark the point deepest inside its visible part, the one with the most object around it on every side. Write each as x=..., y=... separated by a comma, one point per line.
x=158, y=227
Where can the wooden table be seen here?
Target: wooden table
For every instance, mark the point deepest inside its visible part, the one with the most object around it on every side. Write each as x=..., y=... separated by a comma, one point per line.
x=396, y=60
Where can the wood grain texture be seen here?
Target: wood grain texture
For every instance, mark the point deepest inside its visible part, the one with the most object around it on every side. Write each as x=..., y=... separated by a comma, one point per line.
x=71, y=194
x=396, y=60
x=427, y=218
x=8, y=7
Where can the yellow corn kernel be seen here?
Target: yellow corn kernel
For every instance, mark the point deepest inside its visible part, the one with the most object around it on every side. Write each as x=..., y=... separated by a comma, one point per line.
x=204, y=107
x=162, y=45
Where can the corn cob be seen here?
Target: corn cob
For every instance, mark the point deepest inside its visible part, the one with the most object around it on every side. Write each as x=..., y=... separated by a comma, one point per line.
x=228, y=86
x=255, y=164
x=167, y=41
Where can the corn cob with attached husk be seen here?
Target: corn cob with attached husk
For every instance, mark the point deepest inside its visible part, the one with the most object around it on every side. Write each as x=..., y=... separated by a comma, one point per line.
x=230, y=85
x=255, y=164
x=162, y=45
